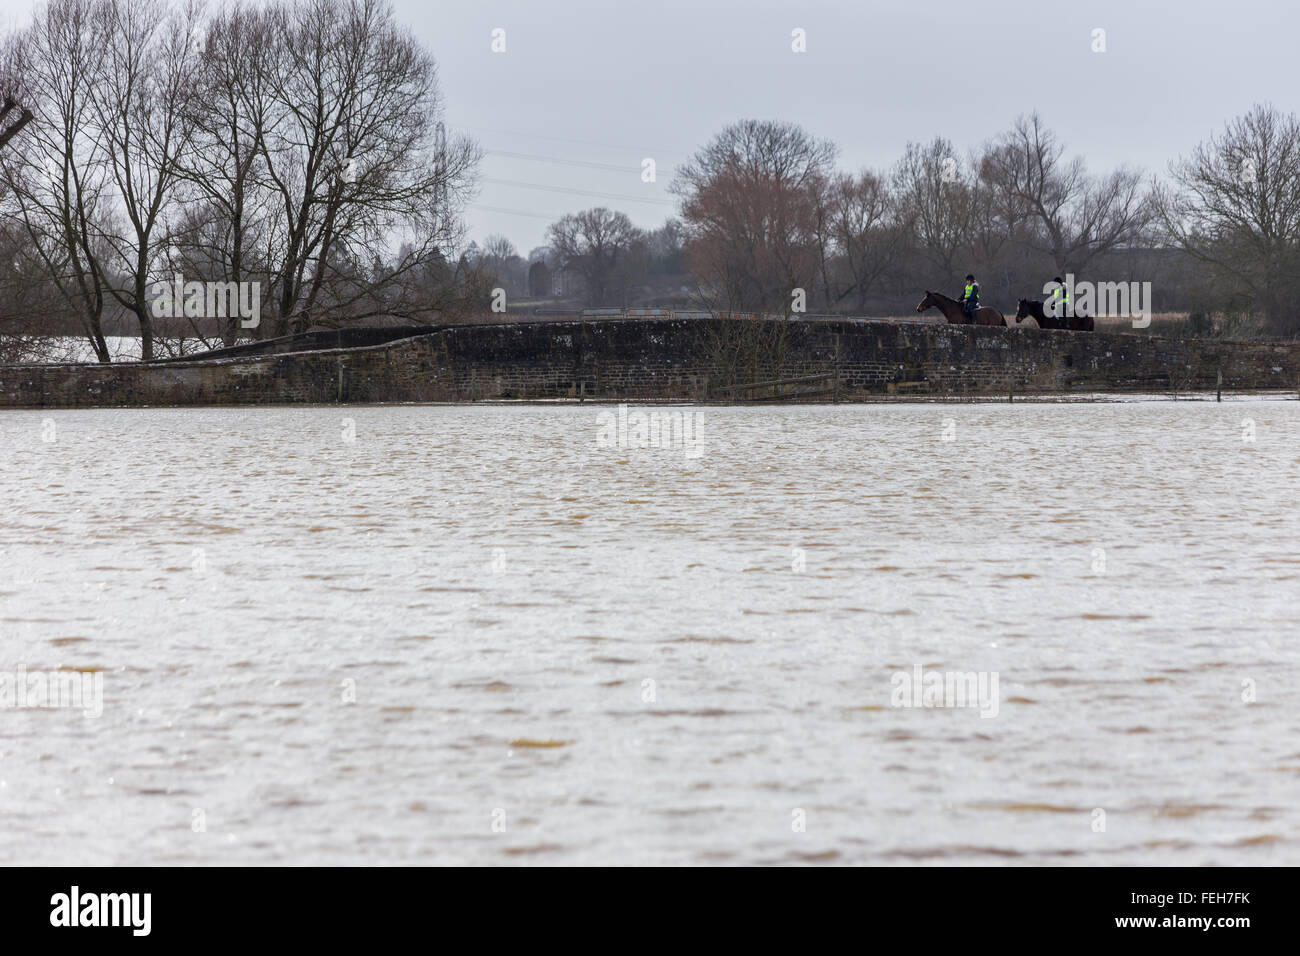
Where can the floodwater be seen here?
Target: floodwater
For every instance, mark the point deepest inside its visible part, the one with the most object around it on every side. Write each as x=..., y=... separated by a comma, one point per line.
x=506, y=635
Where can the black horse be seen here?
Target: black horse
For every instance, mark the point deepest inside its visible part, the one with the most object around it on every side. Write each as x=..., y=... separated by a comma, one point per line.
x=1034, y=308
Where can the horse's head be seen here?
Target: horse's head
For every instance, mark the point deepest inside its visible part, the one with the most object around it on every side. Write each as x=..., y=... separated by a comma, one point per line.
x=927, y=303
x=1022, y=310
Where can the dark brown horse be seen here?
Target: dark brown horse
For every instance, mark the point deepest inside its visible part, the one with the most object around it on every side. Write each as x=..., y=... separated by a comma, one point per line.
x=1034, y=308
x=951, y=310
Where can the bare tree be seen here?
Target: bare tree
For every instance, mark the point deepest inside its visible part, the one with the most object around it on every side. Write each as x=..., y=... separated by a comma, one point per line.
x=354, y=162
x=221, y=235
x=24, y=117
x=937, y=196
x=55, y=186
x=296, y=145
x=499, y=248
x=866, y=234
x=500, y=261
x=600, y=246
x=142, y=95
x=750, y=210
x=1076, y=216
x=1234, y=206
x=10, y=124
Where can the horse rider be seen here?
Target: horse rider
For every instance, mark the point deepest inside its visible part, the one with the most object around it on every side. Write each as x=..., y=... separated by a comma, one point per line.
x=1058, y=306
x=970, y=296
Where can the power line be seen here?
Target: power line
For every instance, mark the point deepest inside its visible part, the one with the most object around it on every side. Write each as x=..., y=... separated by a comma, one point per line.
x=582, y=142
x=513, y=212
x=565, y=162
x=578, y=192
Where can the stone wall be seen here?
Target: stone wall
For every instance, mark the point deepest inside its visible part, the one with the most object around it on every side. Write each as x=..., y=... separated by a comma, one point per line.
x=669, y=359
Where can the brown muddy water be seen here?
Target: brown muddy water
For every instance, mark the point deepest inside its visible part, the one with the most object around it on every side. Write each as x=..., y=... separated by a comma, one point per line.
x=508, y=635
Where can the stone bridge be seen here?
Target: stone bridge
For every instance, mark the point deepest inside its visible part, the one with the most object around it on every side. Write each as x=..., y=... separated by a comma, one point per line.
x=653, y=358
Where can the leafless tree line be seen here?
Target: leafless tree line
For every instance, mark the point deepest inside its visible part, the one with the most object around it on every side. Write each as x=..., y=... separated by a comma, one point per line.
x=765, y=212
x=1233, y=207
x=596, y=256
x=295, y=144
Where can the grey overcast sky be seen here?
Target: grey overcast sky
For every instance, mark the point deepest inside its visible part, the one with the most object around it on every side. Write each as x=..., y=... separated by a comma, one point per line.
x=584, y=85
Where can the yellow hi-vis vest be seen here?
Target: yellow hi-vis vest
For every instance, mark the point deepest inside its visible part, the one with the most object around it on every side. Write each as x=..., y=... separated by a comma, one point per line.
x=1060, y=305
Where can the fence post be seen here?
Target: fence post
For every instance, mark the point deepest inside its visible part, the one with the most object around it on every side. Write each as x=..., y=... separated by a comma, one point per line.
x=835, y=400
